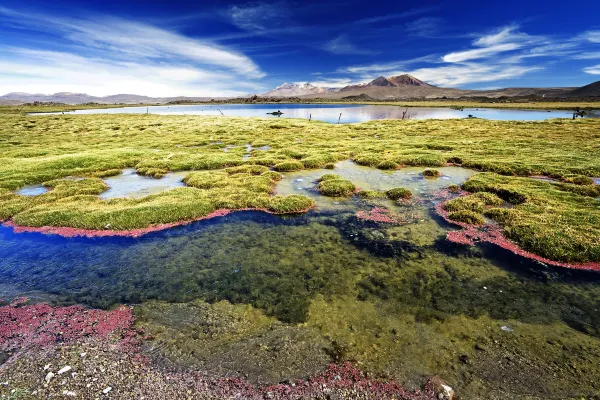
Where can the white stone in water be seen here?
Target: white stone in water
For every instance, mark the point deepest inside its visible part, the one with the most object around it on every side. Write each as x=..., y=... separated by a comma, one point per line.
x=64, y=369
x=108, y=389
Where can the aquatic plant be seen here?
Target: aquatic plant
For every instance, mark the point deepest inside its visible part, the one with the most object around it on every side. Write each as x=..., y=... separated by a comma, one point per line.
x=454, y=188
x=336, y=187
x=431, y=173
x=398, y=193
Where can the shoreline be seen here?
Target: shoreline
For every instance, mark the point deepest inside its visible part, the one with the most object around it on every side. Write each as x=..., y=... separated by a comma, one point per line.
x=69, y=232
x=492, y=233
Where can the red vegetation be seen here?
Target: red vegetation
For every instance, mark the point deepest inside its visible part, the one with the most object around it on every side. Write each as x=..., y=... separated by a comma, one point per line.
x=26, y=326
x=74, y=232
x=492, y=233
x=377, y=214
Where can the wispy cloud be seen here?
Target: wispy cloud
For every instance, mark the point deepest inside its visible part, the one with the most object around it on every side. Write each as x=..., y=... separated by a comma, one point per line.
x=425, y=26
x=259, y=16
x=342, y=45
x=594, y=70
x=505, y=53
x=392, y=16
x=107, y=54
x=332, y=83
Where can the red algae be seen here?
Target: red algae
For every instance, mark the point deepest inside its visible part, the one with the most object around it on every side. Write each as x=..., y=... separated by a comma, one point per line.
x=25, y=326
x=377, y=214
x=491, y=232
x=133, y=233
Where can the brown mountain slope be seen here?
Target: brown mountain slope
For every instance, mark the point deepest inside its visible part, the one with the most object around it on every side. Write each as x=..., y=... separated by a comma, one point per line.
x=591, y=90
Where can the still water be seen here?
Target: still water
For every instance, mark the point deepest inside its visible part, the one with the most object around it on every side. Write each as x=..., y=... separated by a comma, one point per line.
x=345, y=113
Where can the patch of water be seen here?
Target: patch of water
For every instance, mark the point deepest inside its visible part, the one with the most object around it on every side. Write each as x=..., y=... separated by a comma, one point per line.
x=350, y=113
x=366, y=178
x=32, y=190
x=131, y=185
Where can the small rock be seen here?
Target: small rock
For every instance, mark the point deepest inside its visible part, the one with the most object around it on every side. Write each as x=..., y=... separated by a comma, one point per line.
x=46, y=367
x=506, y=328
x=49, y=376
x=108, y=389
x=82, y=354
x=64, y=369
x=69, y=393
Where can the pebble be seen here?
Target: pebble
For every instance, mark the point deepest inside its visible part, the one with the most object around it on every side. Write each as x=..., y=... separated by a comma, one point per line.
x=64, y=369
x=108, y=389
x=49, y=376
x=46, y=367
x=69, y=393
x=506, y=328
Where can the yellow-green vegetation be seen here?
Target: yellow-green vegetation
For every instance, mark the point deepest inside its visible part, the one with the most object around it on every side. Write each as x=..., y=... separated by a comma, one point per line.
x=371, y=194
x=431, y=173
x=454, y=188
x=559, y=221
x=38, y=149
x=466, y=216
x=333, y=185
x=398, y=193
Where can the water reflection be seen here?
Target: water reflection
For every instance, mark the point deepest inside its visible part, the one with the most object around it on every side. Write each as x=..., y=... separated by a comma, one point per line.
x=130, y=184
x=350, y=113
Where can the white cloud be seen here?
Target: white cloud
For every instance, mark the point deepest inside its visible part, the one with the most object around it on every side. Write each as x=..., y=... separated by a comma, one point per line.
x=484, y=52
x=331, y=83
x=592, y=36
x=106, y=56
x=594, y=70
x=588, y=56
x=457, y=75
x=425, y=26
x=342, y=45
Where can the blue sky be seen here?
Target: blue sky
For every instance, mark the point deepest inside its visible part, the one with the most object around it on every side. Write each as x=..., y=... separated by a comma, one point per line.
x=224, y=48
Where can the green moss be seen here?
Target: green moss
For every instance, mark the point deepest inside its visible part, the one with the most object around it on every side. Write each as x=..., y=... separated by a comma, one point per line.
x=247, y=169
x=578, y=179
x=431, y=173
x=152, y=172
x=371, y=194
x=387, y=164
x=551, y=222
x=398, y=193
x=466, y=216
x=489, y=199
x=107, y=173
x=290, y=204
x=454, y=188
x=287, y=166
x=329, y=166
x=329, y=177
x=336, y=188
x=502, y=215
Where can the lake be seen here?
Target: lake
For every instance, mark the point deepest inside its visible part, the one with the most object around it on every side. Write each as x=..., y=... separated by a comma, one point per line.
x=350, y=113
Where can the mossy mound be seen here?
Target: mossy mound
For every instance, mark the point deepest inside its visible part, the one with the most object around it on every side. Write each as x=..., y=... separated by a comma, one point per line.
x=152, y=172
x=336, y=188
x=467, y=217
x=387, y=164
x=371, y=194
x=398, y=193
x=288, y=166
x=578, y=180
x=431, y=173
x=247, y=169
x=454, y=188
x=547, y=219
x=329, y=177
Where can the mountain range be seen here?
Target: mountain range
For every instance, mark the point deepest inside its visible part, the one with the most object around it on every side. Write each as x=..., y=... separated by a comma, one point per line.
x=407, y=86
x=382, y=88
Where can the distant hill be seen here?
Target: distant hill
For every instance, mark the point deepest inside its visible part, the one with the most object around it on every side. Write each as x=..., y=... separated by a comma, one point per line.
x=401, y=81
x=291, y=90
x=591, y=90
x=83, y=98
